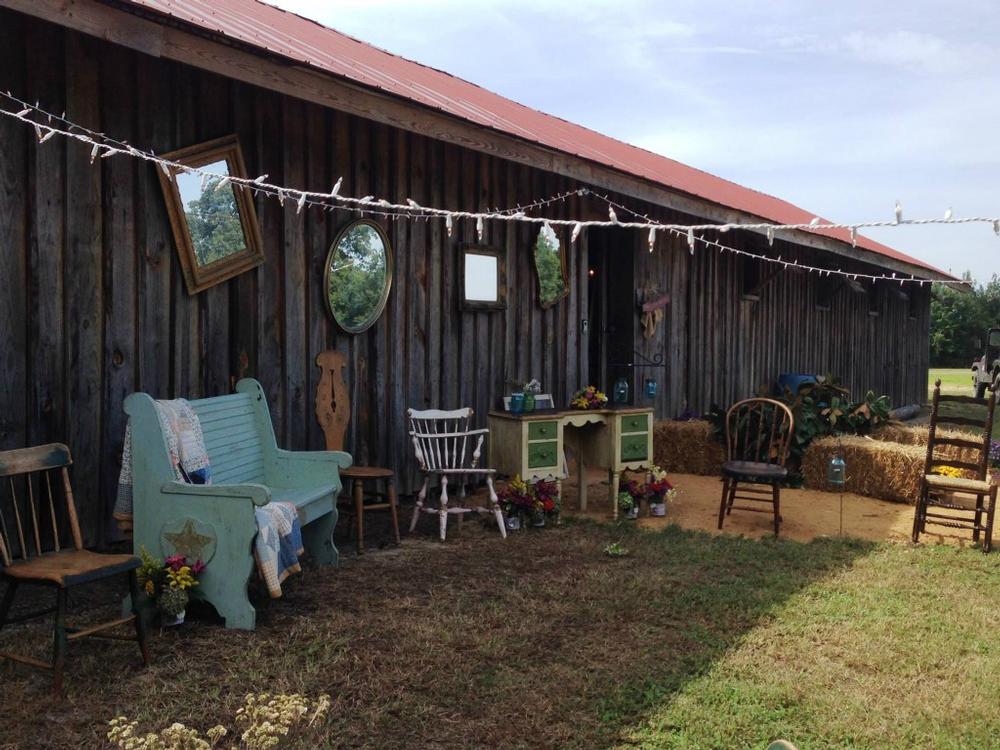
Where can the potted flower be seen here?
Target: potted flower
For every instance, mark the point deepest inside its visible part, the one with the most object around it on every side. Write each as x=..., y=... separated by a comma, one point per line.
x=167, y=584
x=516, y=502
x=627, y=505
x=589, y=398
x=546, y=501
x=659, y=492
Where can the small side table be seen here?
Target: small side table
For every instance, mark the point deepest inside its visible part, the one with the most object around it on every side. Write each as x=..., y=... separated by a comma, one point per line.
x=373, y=474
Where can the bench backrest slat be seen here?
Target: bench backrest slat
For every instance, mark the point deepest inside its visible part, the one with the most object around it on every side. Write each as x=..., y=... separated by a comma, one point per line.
x=232, y=438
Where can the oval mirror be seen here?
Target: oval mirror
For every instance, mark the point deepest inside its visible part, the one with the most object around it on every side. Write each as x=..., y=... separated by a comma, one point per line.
x=358, y=275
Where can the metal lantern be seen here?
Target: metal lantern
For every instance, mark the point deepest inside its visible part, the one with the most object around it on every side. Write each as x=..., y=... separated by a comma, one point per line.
x=620, y=392
x=836, y=472
x=651, y=386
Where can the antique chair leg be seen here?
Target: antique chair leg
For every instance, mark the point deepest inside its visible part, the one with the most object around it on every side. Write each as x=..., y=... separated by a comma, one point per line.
x=393, y=515
x=495, y=503
x=359, y=512
x=723, y=501
x=978, y=519
x=140, y=625
x=421, y=496
x=443, y=509
x=8, y=600
x=733, y=486
x=917, y=511
x=990, y=511
x=776, y=495
x=59, y=642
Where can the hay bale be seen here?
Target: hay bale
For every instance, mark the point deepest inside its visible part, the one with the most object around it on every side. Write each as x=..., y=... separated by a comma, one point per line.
x=875, y=468
x=687, y=447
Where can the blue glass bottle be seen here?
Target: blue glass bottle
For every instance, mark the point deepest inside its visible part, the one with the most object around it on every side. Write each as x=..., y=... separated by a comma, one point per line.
x=620, y=392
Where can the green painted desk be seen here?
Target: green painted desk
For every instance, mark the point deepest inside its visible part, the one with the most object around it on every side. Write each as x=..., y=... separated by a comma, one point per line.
x=532, y=444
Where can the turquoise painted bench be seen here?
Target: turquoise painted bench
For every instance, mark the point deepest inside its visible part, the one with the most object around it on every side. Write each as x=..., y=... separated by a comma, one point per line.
x=216, y=522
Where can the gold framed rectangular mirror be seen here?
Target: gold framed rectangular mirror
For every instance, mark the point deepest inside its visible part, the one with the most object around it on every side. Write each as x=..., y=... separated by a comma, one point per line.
x=483, y=277
x=214, y=222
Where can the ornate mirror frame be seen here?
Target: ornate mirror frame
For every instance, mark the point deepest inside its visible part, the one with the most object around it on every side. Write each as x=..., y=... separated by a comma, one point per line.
x=380, y=307
x=199, y=277
x=564, y=270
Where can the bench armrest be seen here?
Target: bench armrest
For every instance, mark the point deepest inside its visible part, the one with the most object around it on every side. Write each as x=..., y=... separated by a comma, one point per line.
x=257, y=493
x=342, y=459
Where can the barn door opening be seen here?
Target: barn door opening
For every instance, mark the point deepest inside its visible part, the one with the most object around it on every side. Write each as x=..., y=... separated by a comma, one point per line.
x=611, y=308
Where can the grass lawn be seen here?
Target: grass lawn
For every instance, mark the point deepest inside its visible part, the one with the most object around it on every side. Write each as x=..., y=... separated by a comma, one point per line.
x=958, y=382
x=954, y=381
x=691, y=641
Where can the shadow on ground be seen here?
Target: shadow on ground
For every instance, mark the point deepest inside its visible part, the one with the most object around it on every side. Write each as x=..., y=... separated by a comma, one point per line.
x=539, y=641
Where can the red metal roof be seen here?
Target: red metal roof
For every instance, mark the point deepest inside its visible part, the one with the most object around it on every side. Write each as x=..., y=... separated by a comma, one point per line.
x=291, y=36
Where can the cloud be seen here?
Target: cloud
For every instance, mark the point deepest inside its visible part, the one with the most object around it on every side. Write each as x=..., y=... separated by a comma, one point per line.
x=913, y=50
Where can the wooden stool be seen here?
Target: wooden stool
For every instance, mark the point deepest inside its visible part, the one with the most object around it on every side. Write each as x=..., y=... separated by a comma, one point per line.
x=333, y=410
x=361, y=474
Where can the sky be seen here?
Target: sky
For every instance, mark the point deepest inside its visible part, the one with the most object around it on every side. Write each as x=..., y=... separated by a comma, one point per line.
x=841, y=108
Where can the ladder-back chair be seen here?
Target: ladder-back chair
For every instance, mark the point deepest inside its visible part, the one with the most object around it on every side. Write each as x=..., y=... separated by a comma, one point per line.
x=34, y=549
x=758, y=435
x=936, y=490
x=443, y=444
x=333, y=410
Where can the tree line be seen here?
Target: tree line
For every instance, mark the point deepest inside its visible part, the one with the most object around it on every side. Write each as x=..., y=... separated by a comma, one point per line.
x=959, y=320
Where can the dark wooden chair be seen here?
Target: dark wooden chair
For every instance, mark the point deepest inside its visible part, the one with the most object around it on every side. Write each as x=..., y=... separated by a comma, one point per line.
x=33, y=507
x=758, y=434
x=333, y=409
x=936, y=490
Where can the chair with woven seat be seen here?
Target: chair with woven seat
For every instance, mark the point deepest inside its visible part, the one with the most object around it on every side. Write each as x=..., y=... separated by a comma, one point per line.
x=34, y=514
x=758, y=434
x=937, y=504
x=333, y=409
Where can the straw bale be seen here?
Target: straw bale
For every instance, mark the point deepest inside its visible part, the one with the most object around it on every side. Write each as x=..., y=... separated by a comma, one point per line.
x=875, y=468
x=687, y=447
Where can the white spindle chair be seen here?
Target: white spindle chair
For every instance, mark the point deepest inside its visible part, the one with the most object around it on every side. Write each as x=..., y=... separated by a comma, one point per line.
x=442, y=441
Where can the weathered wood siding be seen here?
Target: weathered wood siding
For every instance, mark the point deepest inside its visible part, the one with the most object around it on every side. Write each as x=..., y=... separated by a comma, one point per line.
x=93, y=304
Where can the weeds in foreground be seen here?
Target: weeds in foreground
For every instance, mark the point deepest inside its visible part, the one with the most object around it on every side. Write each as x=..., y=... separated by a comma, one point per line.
x=267, y=721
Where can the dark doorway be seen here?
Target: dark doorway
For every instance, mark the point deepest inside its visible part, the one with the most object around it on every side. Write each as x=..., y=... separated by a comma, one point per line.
x=611, y=308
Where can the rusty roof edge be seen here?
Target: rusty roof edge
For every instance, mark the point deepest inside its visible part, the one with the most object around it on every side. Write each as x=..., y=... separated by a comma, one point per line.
x=907, y=264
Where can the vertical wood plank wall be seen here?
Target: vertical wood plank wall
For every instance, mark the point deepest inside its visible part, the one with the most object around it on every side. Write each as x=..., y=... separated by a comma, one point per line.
x=93, y=305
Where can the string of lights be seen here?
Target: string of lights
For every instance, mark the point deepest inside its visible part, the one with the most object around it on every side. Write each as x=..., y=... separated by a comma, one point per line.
x=47, y=125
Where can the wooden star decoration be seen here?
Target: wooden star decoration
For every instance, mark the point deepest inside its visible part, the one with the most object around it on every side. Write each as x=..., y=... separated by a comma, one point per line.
x=188, y=541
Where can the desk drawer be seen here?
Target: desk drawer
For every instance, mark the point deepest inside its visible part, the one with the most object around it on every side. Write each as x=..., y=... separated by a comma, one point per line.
x=635, y=423
x=543, y=455
x=543, y=430
x=635, y=447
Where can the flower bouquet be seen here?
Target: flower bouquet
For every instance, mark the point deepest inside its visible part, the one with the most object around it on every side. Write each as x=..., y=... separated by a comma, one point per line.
x=520, y=501
x=630, y=498
x=659, y=492
x=589, y=398
x=167, y=583
x=515, y=502
x=546, y=501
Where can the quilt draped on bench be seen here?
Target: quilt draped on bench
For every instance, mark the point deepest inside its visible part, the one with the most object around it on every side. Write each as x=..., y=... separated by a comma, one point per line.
x=278, y=544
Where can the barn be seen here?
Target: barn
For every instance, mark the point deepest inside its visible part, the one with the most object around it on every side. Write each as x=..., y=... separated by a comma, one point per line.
x=98, y=303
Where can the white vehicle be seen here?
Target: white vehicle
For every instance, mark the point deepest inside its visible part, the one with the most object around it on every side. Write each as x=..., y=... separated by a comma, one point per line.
x=986, y=369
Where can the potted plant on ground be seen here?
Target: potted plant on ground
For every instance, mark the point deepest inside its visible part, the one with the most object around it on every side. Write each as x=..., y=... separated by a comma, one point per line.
x=167, y=584
x=659, y=492
x=516, y=503
x=629, y=500
x=546, y=501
